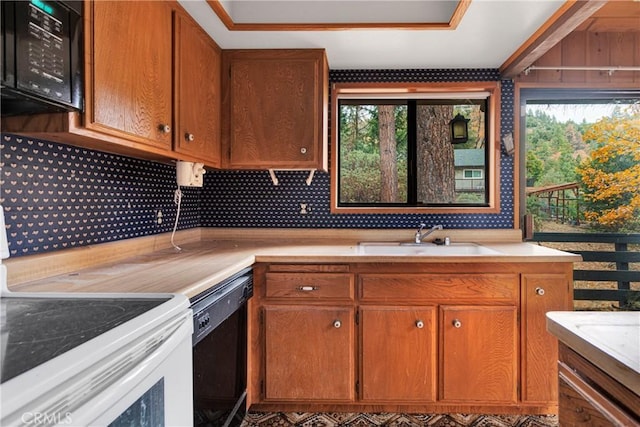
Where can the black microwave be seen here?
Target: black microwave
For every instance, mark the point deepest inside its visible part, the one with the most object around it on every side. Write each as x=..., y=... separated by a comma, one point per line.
x=41, y=56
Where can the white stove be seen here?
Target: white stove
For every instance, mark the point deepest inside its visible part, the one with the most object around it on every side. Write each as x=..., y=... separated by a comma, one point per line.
x=95, y=359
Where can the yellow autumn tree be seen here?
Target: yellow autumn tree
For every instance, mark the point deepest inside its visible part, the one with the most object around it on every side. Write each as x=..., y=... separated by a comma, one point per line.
x=611, y=175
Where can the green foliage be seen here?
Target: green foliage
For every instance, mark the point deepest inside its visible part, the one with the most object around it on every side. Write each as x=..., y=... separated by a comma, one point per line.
x=358, y=181
x=469, y=198
x=360, y=177
x=534, y=206
x=548, y=143
x=632, y=303
x=535, y=168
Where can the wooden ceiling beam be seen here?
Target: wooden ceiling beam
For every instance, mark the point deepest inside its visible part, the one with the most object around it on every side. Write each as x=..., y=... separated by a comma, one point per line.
x=566, y=19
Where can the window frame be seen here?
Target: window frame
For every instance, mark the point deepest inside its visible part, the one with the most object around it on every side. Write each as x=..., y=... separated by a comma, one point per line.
x=525, y=92
x=427, y=90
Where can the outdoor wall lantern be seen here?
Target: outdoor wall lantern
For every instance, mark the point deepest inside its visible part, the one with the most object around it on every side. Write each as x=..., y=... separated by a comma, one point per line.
x=459, y=129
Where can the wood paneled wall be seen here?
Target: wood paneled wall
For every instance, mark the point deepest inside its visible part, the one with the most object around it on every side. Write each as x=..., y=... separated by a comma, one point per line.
x=589, y=48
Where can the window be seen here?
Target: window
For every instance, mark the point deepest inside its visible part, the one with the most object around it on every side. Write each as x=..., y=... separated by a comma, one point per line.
x=472, y=173
x=580, y=151
x=394, y=152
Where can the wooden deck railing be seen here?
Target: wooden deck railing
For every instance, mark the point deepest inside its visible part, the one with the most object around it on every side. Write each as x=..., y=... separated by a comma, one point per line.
x=623, y=253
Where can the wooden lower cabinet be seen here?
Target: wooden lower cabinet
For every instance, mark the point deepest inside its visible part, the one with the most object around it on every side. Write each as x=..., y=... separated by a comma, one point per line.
x=410, y=337
x=591, y=397
x=478, y=353
x=309, y=353
x=398, y=353
x=541, y=293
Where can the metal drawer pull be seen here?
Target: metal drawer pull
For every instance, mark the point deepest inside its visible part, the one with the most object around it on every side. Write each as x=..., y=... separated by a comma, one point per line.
x=419, y=324
x=540, y=291
x=337, y=324
x=307, y=288
x=456, y=323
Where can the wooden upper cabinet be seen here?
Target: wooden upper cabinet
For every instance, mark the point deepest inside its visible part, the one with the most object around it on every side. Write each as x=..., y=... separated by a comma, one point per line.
x=129, y=71
x=152, y=91
x=275, y=109
x=197, y=92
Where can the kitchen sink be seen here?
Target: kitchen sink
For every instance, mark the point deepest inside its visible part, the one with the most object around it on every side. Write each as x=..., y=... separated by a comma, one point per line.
x=427, y=248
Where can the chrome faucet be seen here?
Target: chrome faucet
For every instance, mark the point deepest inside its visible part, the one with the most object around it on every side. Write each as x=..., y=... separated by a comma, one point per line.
x=420, y=235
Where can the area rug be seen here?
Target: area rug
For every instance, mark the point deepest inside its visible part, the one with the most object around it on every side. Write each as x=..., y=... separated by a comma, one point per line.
x=302, y=419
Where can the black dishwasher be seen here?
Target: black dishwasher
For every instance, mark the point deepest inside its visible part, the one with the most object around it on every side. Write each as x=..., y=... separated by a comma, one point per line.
x=220, y=352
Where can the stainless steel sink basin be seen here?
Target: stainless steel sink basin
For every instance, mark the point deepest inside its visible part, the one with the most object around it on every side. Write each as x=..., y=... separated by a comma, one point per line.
x=427, y=249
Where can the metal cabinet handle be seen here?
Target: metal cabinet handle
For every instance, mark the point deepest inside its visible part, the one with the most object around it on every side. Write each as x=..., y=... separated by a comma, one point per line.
x=456, y=323
x=189, y=137
x=540, y=291
x=303, y=150
x=307, y=288
x=337, y=324
x=164, y=128
x=419, y=324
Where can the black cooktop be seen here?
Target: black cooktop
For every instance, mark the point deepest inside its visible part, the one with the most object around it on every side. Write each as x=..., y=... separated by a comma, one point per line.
x=35, y=330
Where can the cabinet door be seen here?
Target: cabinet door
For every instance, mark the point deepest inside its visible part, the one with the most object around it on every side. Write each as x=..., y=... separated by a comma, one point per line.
x=129, y=91
x=541, y=293
x=277, y=111
x=398, y=353
x=309, y=353
x=478, y=353
x=197, y=76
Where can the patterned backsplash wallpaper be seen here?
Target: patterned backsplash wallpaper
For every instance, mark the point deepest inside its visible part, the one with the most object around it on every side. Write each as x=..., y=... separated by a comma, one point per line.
x=57, y=196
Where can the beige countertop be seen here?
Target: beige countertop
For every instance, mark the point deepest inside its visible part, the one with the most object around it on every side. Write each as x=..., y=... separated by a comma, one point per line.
x=204, y=262
x=609, y=340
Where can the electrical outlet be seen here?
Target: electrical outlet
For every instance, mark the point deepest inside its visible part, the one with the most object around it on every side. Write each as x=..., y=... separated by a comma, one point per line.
x=305, y=208
x=159, y=217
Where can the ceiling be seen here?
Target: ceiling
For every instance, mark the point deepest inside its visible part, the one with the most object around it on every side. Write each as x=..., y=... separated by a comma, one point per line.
x=487, y=34
x=333, y=12
x=456, y=34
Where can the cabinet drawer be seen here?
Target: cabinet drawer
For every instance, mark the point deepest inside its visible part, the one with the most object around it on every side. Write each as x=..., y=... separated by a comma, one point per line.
x=309, y=268
x=441, y=287
x=580, y=403
x=332, y=286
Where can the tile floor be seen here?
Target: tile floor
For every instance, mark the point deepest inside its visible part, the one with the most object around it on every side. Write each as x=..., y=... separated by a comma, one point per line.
x=300, y=419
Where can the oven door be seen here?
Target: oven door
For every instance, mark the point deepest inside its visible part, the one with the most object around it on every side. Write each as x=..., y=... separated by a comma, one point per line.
x=145, y=381
x=155, y=392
